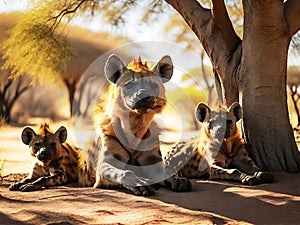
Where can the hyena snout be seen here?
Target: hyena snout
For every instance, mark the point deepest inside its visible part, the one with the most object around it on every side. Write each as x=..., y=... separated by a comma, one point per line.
x=144, y=98
x=44, y=155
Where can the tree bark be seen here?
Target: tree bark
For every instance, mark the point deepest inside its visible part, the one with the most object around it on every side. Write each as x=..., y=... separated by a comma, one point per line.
x=218, y=38
x=263, y=87
x=253, y=71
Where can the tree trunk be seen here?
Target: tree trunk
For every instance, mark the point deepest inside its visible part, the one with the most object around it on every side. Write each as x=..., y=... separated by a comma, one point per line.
x=71, y=86
x=253, y=71
x=263, y=94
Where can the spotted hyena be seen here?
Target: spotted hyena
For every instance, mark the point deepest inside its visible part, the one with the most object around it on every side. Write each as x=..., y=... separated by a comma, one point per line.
x=126, y=151
x=219, y=150
x=57, y=162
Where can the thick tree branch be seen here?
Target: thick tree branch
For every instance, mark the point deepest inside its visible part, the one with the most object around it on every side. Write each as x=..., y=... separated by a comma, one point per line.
x=224, y=51
x=15, y=97
x=292, y=15
x=223, y=22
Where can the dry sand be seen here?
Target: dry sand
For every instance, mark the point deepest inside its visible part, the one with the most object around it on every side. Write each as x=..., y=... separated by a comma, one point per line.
x=210, y=202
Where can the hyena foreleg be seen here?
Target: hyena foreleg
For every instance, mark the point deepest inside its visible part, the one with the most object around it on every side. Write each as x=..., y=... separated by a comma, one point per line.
x=245, y=164
x=45, y=181
x=217, y=172
x=16, y=186
x=108, y=176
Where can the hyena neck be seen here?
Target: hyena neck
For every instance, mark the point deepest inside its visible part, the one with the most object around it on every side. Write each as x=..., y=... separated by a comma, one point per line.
x=207, y=141
x=133, y=123
x=131, y=128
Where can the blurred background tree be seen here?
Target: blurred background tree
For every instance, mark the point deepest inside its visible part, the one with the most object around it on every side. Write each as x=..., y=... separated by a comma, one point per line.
x=294, y=89
x=86, y=46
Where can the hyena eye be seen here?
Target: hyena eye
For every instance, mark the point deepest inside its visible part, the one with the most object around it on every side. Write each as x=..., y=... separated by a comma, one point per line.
x=53, y=145
x=129, y=85
x=228, y=122
x=211, y=124
x=37, y=145
x=154, y=86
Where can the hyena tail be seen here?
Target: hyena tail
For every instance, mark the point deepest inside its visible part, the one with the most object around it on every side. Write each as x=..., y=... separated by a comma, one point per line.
x=86, y=176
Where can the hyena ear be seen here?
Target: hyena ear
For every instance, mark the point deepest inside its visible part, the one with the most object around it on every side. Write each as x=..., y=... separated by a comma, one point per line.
x=164, y=68
x=27, y=135
x=202, y=112
x=114, y=68
x=236, y=110
x=61, y=134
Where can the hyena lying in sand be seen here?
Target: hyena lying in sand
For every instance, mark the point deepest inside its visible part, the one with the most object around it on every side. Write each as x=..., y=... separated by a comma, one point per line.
x=219, y=150
x=57, y=162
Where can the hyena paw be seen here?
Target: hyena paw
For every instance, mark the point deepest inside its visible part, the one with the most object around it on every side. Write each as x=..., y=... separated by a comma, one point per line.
x=250, y=180
x=15, y=186
x=180, y=184
x=264, y=177
x=143, y=190
x=142, y=187
x=29, y=187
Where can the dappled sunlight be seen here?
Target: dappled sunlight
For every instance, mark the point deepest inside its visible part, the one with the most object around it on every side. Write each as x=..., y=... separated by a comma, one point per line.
x=274, y=198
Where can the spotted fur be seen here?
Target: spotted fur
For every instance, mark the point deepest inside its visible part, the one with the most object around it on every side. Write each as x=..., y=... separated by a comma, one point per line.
x=219, y=150
x=126, y=147
x=56, y=162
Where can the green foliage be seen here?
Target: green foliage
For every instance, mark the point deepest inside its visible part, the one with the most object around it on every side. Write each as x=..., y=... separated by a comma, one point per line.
x=38, y=45
x=197, y=74
x=34, y=48
x=193, y=93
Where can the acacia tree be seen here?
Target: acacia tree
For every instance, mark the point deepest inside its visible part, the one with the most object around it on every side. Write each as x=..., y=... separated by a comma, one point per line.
x=252, y=71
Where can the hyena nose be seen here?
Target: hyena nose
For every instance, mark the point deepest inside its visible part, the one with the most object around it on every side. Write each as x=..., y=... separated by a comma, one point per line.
x=43, y=152
x=148, y=99
x=144, y=95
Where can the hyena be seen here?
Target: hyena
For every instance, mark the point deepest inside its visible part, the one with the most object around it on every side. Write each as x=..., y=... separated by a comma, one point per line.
x=56, y=162
x=219, y=150
x=126, y=152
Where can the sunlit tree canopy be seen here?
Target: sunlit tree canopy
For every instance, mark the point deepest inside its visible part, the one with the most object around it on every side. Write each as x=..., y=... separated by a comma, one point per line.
x=38, y=43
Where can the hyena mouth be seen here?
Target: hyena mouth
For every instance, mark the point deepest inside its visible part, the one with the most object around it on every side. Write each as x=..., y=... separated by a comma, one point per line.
x=141, y=110
x=144, y=105
x=43, y=159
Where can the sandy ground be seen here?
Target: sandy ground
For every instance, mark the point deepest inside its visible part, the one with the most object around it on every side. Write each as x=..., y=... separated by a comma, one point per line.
x=210, y=202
